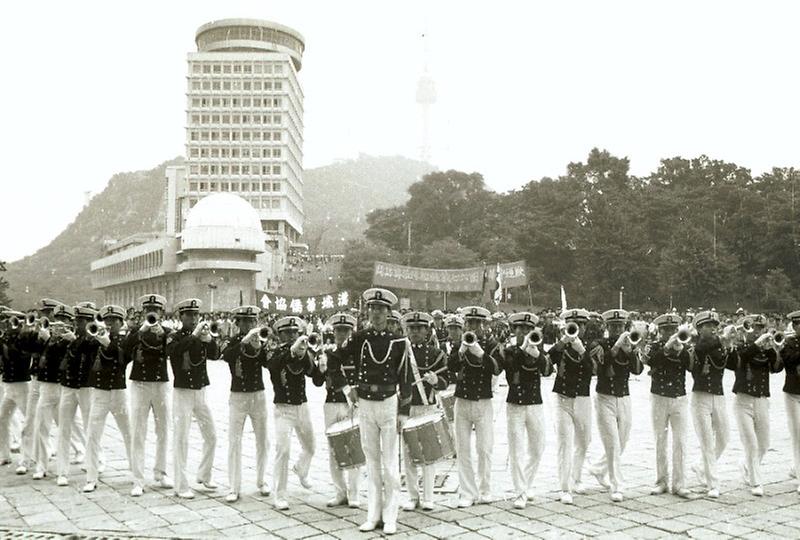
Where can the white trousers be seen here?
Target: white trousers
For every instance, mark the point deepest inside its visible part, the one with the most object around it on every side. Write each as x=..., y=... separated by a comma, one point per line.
x=378, y=425
x=669, y=412
x=103, y=403
x=710, y=419
x=793, y=418
x=478, y=415
x=13, y=430
x=46, y=415
x=752, y=417
x=68, y=428
x=16, y=398
x=525, y=423
x=185, y=404
x=147, y=396
x=240, y=406
x=412, y=471
x=614, y=425
x=290, y=418
x=336, y=412
x=574, y=430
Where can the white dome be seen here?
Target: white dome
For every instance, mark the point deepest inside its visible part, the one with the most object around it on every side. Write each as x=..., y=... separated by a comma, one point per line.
x=223, y=221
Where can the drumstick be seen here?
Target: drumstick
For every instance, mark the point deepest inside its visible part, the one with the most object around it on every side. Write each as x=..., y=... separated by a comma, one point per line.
x=421, y=379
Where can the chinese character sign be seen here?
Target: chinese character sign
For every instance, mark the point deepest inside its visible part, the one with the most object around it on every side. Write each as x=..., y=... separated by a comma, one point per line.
x=319, y=304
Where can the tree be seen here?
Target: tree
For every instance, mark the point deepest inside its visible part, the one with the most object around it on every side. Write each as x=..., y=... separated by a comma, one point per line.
x=778, y=291
x=359, y=263
x=446, y=253
x=4, y=299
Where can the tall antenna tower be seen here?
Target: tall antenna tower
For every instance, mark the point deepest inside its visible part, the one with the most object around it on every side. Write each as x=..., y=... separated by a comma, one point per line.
x=426, y=97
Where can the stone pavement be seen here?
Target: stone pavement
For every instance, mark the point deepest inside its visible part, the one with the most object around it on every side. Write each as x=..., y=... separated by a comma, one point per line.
x=40, y=509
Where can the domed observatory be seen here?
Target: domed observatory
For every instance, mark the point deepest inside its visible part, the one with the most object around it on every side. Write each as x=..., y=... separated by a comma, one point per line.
x=220, y=241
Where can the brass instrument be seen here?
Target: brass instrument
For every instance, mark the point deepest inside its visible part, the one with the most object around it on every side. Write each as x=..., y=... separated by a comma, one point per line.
x=470, y=338
x=314, y=341
x=211, y=328
x=151, y=319
x=263, y=334
x=571, y=330
x=58, y=329
x=778, y=338
x=684, y=336
x=535, y=337
x=30, y=319
x=15, y=322
x=95, y=329
x=747, y=326
x=634, y=337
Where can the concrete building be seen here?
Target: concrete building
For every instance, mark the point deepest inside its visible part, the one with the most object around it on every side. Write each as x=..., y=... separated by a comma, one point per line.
x=236, y=207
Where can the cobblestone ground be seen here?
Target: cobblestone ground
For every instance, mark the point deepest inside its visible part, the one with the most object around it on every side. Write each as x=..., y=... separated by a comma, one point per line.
x=40, y=509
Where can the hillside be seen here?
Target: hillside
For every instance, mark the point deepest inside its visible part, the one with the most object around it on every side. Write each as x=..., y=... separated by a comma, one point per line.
x=337, y=198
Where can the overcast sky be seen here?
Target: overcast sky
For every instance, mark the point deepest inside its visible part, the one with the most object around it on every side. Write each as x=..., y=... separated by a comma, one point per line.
x=90, y=89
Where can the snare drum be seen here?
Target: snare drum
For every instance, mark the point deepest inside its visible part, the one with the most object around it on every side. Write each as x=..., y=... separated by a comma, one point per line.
x=447, y=398
x=428, y=439
x=344, y=438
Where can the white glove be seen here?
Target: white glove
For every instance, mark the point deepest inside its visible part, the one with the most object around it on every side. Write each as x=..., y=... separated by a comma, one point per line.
x=566, y=339
x=476, y=349
x=764, y=341
x=431, y=378
x=463, y=348
x=623, y=342
x=322, y=363
x=205, y=337
x=532, y=350
x=44, y=335
x=198, y=329
x=577, y=346
x=251, y=338
x=69, y=336
x=157, y=329
x=673, y=343
x=299, y=347
x=103, y=339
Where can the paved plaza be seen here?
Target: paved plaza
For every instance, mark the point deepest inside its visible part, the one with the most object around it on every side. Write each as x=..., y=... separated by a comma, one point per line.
x=40, y=509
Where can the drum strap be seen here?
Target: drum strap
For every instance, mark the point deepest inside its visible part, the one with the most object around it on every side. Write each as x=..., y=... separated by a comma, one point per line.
x=415, y=370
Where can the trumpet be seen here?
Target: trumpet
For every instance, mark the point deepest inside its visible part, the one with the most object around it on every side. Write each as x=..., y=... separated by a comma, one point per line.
x=211, y=328
x=634, y=337
x=263, y=334
x=535, y=337
x=778, y=338
x=313, y=341
x=747, y=326
x=95, y=329
x=151, y=319
x=684, y=336
x=571, y=330
x=15, y=323
x=30, y=319
x=59, y=329
x=470, y=338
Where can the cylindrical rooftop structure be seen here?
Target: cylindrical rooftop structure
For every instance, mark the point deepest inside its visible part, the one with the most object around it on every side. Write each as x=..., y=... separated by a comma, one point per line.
x=242, y=35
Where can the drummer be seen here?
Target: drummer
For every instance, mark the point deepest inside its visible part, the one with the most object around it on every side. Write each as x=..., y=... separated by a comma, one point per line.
x=337, y=369
x=432, y=366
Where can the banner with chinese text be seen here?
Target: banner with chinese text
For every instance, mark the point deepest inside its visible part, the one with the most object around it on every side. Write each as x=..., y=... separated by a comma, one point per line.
x=514, y=274
x=322, y=303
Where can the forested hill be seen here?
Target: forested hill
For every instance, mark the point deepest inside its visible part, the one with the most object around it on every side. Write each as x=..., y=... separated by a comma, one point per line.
x=337, y=198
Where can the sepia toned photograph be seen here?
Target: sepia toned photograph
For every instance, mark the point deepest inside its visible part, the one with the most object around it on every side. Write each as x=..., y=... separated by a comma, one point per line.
x=425, y=269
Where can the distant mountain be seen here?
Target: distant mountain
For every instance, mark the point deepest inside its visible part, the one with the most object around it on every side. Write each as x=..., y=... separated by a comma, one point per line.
x=337, y=198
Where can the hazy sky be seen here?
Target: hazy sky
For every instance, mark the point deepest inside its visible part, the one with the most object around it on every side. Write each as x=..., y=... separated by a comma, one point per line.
x=94, y=88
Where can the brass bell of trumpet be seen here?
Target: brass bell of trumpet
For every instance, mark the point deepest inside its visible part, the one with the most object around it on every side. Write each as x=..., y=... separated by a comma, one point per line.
x=30, y=319
x=44, y=322
x=263, y=334
x=213, y=329
x=95, y=328
x=535, y=337
x=15, y=323
x=151, y=318
x=571, y=330
x=778, y=337
x=470, y=338
x=313, y=341
x=684, y=336
x=634, y=337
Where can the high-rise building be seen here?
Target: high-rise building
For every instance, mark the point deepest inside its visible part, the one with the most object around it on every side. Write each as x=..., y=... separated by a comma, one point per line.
x=244, y=126
x=244, y=144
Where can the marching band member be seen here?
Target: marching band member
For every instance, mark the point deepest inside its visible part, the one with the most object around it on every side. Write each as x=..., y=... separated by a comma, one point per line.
x=34, y=350
x=756, y=359
x=108, y=394
x=14, y=425
x=708, y=402
x=337, y=369
x=432, y=367
x=246, y=357
x=188, y=350
x=612, y=399
x=669, y=360
x=74, y=377
x=16, y=382
x=791, y=389
x=289, y=366
x=575, y=363
x=455, y=329
x=525, y=364
x=382, y=369
x=438, y=325
x=393, y=322
x=146, y=345
x=49, y=388
x=476, y=360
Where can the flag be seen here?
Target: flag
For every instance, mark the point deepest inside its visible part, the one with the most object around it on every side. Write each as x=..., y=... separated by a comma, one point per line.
x=563, y=299
x=498, y=292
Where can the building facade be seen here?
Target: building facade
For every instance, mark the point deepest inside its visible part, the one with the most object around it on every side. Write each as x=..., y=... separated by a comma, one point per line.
x=244, y=141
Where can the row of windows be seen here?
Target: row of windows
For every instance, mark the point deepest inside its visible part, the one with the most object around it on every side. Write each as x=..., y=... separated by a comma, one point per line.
x=226, y=135
x=213, y=36
x=236, y=119
x=148, y=261
x=251, y=187
x=274, y=204
x=234, y=169
x=235, y=152
x=239, y=67
x=238, y=86
x=257, y=102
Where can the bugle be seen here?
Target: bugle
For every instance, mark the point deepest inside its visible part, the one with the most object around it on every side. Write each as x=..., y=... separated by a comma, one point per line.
x=263, y=334
x=571, y=330
x=470, y=338
x=15, y=323
x=95, y=329
x=634, y=337
x=151, y=319
x=535, y=337
x=778, y=338
x=30, y=319
x=313, y=341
